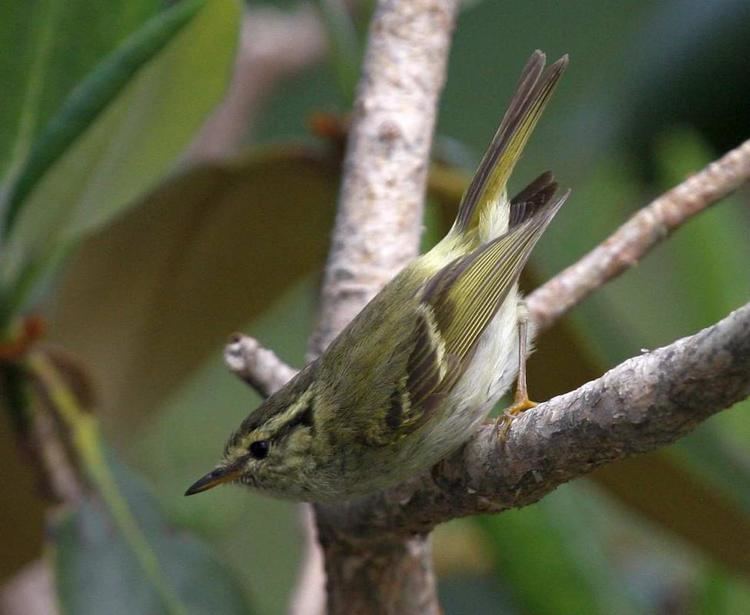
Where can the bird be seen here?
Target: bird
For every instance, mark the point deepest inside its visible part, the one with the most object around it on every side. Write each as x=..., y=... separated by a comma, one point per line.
x=418, y=370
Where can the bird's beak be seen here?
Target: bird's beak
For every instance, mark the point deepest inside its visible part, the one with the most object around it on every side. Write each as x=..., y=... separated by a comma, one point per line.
x=213, y=478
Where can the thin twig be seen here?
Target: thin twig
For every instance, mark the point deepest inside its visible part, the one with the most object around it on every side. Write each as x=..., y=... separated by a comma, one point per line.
x=637, y=236
x=257, y=366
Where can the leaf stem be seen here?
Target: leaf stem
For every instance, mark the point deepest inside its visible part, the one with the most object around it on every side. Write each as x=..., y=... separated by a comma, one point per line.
x=86, y=441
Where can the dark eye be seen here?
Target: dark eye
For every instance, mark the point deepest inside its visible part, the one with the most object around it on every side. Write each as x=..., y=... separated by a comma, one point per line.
x=259, y=449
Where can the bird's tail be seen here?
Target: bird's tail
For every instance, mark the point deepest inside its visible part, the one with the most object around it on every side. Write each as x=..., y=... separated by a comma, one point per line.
x=488, y=187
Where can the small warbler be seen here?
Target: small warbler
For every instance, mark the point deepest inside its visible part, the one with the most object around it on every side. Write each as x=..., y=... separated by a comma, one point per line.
x=411, y=378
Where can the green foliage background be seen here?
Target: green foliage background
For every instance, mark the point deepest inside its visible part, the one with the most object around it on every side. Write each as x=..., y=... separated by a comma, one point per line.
x=143, y=265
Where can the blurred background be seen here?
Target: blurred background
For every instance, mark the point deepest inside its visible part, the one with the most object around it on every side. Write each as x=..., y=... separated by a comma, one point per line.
x=138, y=235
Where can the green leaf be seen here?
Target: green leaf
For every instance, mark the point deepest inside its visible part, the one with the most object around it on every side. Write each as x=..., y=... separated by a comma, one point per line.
x=113, y=546
x=721, y=593
x=92, y=96
x=346, y=49
x=46, y=47
x=553, y=545
x=100, y=565
x=212, y=402
x=119, y=133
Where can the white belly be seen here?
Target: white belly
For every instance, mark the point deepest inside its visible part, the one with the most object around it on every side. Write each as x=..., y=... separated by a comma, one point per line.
x=492, y=370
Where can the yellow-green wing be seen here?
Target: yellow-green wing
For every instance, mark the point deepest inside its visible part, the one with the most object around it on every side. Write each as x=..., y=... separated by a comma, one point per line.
x=532, y=94
x=454, y=309
x=460, y=301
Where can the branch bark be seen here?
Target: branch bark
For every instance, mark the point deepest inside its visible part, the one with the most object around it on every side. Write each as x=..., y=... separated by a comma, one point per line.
x=644, y=403
x=637, y=236
x=31, y=591
x=379, y=219
x=257, y=366
x=377, y=231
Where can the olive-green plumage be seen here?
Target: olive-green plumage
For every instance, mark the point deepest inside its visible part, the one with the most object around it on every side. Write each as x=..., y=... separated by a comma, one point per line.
x=415, y=373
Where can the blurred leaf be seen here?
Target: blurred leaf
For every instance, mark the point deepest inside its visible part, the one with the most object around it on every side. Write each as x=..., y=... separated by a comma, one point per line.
x=117, y=135
x=683, y=66
x=258, y=536
x=216, y=245
x=718, y=458
x=481, y=592
x=113, y=546
x=681, y=502
x=24, y=512
x=93, y=95
x=721, y=594
x=45, y=48
x=346, y=50
x=160, y=570
x=554, y=540
x=709, y=279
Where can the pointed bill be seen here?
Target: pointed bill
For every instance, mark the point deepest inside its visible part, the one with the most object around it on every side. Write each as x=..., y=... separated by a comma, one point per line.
x=214, y=478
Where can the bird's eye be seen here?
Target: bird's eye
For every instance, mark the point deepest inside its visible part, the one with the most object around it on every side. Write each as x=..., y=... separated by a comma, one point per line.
x=259, y=449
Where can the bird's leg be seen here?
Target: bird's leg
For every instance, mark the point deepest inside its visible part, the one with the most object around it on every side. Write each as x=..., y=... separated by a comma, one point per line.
x=521, y=401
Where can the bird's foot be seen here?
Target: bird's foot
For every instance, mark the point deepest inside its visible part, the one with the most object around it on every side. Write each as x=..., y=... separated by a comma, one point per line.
x=502, y=426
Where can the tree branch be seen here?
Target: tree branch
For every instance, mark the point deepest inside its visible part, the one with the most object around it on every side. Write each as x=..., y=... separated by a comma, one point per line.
x=630, y=243
x=644, y=403
x=378, y=224
x=379, y=217
x=257, y=366
x=31, y=591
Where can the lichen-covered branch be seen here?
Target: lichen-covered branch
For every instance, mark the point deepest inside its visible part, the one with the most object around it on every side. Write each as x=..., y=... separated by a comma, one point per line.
x=630, y=243
x=644, y=403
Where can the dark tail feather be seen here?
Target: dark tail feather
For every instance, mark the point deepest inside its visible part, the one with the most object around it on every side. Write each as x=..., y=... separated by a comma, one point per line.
x=531, y=199
x=532, y=94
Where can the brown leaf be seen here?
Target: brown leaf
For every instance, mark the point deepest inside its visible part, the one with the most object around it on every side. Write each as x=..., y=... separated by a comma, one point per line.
x=148, y=299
